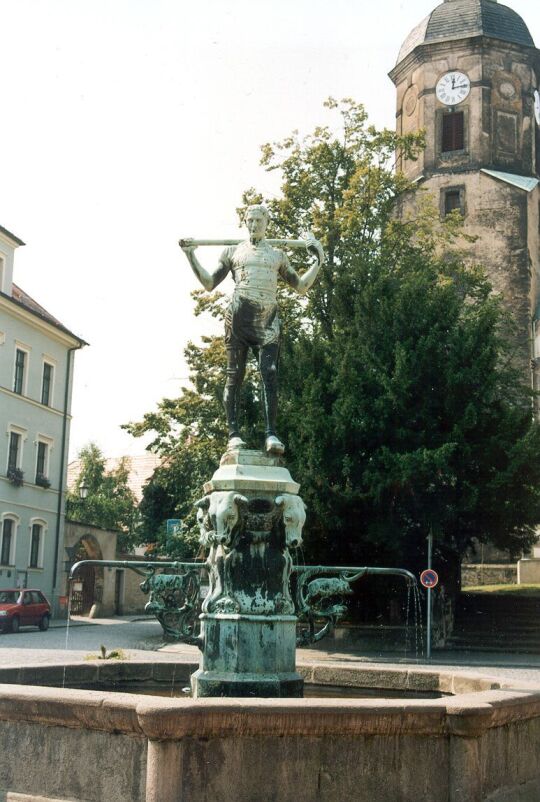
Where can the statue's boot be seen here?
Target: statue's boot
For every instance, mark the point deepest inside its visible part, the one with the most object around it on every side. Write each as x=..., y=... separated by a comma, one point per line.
x=273, y=445
x=235, y=441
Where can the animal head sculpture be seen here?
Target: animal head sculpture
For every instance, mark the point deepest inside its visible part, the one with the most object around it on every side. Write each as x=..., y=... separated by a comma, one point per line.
x=227, y=512
x=206, y=533
x=293, y=513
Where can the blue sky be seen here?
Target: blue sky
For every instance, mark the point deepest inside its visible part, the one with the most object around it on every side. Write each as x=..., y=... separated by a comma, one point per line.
x=129, y=123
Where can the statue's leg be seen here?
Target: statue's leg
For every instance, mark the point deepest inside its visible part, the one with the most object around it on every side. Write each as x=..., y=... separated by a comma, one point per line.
x=268, y=365
x=236, y=368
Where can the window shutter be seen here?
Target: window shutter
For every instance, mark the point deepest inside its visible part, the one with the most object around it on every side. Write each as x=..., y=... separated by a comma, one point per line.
x=453, y=130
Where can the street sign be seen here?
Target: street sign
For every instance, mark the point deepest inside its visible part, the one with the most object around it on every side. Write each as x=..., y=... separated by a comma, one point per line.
x=429, y=578
x=174, y=526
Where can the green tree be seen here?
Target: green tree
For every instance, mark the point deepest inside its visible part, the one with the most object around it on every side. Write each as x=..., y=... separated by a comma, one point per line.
x=110, y=503
x=399, y=402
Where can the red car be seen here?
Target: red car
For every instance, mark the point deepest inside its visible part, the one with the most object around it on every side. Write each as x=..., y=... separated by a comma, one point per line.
x=20, y=608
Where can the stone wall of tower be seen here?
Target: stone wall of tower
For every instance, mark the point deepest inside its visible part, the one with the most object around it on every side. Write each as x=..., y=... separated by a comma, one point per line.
x=499, y=113
x=534, y=256
x=504, y=221
x=500, y=134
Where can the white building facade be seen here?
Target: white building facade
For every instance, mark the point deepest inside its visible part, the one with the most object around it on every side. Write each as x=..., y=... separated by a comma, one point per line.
x=36, y=372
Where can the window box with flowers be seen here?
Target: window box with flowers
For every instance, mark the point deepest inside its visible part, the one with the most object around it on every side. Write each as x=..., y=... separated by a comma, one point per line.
x=16, y=476
x=42, y=480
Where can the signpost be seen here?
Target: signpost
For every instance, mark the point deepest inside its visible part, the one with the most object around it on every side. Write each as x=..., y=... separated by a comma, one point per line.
x=174, y=526
x=430, y=580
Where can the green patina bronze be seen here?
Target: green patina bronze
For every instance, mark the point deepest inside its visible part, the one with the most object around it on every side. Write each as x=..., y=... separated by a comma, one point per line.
x=177, y=595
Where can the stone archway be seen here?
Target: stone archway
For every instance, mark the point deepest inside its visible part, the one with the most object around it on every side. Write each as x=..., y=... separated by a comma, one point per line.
x=88, y=587
x=93, y=588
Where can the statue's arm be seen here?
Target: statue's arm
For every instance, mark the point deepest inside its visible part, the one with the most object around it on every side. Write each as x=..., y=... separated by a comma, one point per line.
x=303, y=283
x=209, y=280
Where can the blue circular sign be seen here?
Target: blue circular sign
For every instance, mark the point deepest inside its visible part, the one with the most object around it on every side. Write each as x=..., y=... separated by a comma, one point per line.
x=429, y=578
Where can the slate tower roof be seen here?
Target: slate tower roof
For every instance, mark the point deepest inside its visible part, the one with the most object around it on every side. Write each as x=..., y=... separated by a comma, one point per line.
x=460, y=19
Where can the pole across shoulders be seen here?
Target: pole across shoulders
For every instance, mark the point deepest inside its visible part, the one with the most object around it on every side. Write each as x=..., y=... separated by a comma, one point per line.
x=284, y=243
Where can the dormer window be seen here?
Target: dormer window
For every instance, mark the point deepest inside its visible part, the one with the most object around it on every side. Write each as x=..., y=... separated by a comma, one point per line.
x=453, y=132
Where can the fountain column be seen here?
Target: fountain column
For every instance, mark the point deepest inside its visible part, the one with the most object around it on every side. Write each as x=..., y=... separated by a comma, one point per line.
x=249, y=516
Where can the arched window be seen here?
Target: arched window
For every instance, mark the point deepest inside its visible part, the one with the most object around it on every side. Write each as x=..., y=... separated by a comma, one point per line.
x=8, y=536
x=38, y=529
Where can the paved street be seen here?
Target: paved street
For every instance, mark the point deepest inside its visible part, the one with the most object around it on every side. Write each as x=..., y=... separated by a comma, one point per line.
x=141, y=637
x=136, y=636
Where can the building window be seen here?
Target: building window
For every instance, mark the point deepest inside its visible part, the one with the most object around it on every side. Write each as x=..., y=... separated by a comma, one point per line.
x=453, y=132
x=42, y=468
x=452, y=199
x=7, y=541
x=46, y=384
x=14, y=453
x=20, y=366
x=35, y=545
x=1, y=274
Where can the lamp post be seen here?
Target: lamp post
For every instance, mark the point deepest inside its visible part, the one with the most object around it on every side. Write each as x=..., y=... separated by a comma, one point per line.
x=83, y=491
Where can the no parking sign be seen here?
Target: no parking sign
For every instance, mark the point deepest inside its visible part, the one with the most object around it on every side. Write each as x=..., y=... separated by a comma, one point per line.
x=429, y=578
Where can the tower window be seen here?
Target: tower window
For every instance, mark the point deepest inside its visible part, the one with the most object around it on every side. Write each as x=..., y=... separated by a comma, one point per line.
x=453, y=132
x=452, y=199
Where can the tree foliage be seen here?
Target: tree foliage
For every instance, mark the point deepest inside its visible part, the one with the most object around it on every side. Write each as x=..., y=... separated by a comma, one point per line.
x=399, y=403
x=110, y=503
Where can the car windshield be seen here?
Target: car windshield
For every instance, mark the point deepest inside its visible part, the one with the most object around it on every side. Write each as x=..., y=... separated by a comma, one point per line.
x=9, y=596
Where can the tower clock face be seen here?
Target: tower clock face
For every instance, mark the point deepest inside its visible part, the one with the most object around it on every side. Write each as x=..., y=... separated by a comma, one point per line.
x=537, y=105
x=453, y=88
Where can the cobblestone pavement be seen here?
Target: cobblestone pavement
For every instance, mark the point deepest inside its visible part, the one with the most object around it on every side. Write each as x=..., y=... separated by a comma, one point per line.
x=141, y=637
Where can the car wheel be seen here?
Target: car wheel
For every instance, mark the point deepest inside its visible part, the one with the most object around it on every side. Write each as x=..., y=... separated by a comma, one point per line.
x=44, y=623
x=15, y=624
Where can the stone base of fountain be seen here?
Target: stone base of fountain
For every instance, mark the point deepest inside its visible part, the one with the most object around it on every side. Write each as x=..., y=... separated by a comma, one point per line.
x=248, y=656
x=478, y=744
x=248, y=626
x=247, y=686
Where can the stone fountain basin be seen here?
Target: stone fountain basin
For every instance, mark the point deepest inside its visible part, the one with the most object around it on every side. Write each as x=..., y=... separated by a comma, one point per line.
x=77, y=745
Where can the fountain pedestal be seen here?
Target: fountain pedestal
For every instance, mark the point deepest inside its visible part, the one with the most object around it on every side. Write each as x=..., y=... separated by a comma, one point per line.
x=250, y=515
x=248, y=656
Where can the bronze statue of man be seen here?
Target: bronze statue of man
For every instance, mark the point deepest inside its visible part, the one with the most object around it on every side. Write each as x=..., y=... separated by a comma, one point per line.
x=252, y=318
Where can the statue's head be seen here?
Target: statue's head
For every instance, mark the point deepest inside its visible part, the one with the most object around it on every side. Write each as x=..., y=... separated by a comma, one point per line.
x=257, y=217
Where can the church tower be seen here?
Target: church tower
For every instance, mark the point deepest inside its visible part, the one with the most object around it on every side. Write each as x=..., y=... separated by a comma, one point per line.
x=469, y=74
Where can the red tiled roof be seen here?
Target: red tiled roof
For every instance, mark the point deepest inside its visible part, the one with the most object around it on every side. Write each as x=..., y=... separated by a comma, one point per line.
x=140, y=469
x=26, y=300
x=23, y=299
